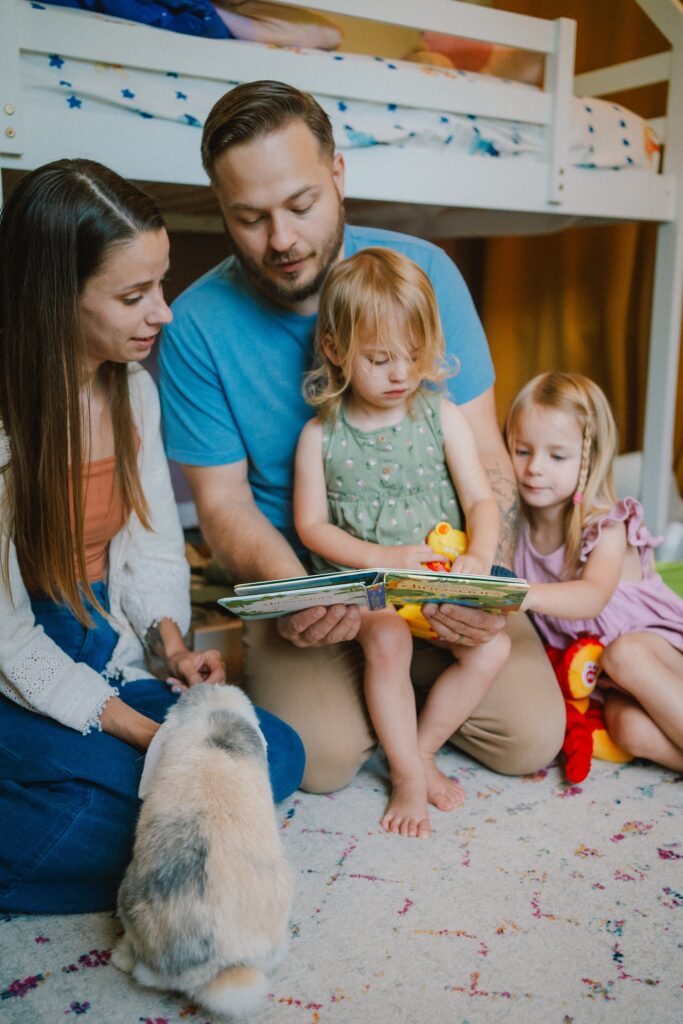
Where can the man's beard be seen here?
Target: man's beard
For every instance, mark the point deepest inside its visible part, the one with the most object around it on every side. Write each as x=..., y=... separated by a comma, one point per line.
x=285, y=294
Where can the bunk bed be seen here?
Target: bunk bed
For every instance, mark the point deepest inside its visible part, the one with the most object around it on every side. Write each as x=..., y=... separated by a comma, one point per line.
x=392, y=175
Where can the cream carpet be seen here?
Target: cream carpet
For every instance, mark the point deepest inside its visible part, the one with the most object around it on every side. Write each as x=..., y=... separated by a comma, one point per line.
x=536, y=903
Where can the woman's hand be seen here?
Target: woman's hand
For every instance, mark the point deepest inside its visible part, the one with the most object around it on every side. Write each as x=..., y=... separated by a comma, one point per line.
x=187, y=668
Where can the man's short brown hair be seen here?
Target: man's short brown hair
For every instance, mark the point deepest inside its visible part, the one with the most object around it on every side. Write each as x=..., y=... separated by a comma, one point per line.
x=254, y=109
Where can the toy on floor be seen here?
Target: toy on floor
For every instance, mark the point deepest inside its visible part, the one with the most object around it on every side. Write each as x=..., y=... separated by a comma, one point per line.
x=444, y=539
x=577, y=670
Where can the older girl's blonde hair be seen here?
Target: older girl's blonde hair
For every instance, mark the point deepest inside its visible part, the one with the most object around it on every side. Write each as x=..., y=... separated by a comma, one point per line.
x=382, y=292
x=580, y=397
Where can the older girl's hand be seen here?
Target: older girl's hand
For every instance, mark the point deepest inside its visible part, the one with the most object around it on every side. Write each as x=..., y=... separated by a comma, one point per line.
x=187, y=668
x=469, y=565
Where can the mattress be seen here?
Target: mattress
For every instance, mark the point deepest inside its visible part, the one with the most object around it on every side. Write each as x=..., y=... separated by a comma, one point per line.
x=604, y=135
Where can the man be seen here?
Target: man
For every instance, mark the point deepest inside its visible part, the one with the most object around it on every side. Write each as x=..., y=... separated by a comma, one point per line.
x=232, y=364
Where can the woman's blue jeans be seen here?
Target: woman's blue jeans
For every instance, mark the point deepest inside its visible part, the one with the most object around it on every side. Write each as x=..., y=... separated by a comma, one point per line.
x=68, y=802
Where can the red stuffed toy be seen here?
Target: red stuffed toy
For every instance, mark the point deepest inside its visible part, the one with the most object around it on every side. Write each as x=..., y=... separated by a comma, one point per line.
x=577, y=670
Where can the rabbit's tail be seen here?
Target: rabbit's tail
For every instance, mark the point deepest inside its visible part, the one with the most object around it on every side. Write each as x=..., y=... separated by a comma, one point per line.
x=234, y=991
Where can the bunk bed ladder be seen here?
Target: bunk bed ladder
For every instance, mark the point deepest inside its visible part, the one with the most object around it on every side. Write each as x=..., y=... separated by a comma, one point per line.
x=667, y=300
x=559, y=71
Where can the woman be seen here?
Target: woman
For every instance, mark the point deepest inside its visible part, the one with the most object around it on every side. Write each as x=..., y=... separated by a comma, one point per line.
x=92, y=569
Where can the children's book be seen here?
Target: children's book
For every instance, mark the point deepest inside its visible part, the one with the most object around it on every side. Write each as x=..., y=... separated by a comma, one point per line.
x=374, y=588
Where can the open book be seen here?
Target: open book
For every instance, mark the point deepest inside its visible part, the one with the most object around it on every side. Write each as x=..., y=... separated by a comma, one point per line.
x=374, y=588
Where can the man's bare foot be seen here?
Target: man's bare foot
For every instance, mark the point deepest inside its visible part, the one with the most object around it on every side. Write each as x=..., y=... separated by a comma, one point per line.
x=442, y=792
x=406, y=813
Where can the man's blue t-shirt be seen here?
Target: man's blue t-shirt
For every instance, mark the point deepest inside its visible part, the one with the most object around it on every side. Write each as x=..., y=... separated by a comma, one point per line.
x=232, y=365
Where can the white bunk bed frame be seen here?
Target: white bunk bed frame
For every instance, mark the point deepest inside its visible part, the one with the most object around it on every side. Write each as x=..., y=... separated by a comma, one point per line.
x=532, y=192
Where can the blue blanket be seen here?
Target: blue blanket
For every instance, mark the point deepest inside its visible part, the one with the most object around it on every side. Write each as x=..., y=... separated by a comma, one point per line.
x=193, y=17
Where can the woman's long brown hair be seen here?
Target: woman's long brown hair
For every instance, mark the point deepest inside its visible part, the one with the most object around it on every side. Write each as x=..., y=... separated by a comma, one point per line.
x=56, y=229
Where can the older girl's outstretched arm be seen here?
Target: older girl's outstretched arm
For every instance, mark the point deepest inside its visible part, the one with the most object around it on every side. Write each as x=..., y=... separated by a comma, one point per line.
x=584, y=598
x=315, y=530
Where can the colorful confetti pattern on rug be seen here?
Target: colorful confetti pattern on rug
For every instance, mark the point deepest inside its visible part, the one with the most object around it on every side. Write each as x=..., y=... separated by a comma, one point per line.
x=537, y=902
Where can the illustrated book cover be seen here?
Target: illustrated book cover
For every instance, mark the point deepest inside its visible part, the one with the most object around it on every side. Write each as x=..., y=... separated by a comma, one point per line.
x=374, y=588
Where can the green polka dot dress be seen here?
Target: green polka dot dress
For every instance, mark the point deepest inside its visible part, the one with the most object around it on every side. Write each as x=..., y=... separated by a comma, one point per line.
x=392, y=485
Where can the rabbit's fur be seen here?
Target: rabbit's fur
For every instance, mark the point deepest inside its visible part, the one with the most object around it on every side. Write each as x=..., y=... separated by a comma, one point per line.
x=206, y=898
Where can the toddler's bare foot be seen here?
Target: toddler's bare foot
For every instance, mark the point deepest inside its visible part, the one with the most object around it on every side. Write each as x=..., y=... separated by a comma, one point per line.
x=406, y=813
x=442, y=792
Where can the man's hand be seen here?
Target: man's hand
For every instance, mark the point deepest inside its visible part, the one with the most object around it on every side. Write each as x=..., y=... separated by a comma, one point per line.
x=317, y=627
x=458, y=624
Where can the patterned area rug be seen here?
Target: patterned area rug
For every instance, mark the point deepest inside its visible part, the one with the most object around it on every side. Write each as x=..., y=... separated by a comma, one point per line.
x=537, y=903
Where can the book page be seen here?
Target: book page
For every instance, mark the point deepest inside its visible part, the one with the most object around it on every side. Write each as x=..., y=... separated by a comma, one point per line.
x=493, y=593
x=287, y=601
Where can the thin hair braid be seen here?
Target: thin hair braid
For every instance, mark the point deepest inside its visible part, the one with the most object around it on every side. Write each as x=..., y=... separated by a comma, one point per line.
x=584, y=466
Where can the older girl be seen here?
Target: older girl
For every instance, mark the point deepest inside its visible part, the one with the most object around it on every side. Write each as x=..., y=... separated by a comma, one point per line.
x=589, y=558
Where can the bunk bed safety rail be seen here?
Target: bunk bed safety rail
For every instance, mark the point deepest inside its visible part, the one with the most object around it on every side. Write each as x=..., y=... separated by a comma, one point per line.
x=109, y=40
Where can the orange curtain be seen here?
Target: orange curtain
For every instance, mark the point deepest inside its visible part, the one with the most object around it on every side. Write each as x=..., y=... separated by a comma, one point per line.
x=581, y=300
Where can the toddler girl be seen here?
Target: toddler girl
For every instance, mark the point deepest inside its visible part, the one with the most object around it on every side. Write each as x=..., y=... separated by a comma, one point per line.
x=385, y=459
x=590, y=559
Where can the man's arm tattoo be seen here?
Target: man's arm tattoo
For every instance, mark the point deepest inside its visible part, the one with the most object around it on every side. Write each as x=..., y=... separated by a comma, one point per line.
x=507, y=497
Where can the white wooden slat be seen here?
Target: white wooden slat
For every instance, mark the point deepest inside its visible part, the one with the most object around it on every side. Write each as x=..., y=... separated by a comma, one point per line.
x=667, y=306
x=451, y=17
x=667, y=15
x=11, y=107
x=559, y=71
x=630, y=74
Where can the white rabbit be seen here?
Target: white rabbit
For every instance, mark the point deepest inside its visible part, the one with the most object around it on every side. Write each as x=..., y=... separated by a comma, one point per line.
x=206, y=898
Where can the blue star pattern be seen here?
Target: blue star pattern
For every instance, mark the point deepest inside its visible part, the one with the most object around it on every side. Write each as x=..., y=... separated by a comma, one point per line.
x=359, y=139
x=603, y=134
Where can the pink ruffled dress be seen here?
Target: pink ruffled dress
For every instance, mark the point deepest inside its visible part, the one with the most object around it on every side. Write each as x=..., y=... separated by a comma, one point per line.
x=648, y=606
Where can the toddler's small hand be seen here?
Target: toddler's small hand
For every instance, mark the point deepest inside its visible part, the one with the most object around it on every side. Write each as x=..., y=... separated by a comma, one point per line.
x=408, y=556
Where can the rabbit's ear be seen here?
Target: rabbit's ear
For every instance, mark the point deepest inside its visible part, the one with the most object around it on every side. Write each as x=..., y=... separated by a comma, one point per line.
x=151, y=760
